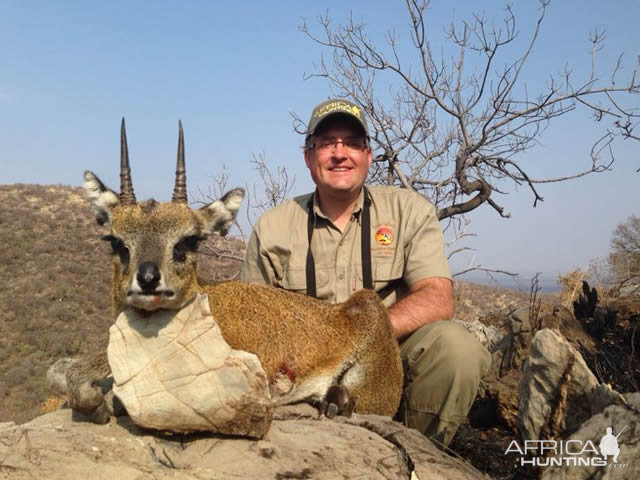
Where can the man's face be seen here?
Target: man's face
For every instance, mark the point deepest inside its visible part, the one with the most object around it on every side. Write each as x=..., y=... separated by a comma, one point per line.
x=338, y=169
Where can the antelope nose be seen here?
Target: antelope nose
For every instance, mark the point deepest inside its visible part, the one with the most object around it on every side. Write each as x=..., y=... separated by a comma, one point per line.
x=148, y=276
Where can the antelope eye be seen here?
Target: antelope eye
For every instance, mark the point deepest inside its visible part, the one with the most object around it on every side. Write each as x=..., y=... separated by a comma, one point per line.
x=192, y=242
x=118, y=248
x=116, y=243
x=186, y=244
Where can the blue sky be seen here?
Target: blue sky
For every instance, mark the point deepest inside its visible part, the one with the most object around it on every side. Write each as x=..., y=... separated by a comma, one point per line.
x=233, y=72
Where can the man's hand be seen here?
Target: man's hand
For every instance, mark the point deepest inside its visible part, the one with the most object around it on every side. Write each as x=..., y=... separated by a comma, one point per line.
x=430, y=300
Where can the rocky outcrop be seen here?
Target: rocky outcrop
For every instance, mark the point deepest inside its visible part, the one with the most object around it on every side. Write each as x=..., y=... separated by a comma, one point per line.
x=297, y=446
x=624, y=420
x=557, y=390
x=630, y=291
x=487, y=335
x=497, y=403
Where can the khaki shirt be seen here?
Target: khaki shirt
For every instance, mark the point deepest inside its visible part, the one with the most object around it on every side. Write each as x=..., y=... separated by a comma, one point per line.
x=406, y=243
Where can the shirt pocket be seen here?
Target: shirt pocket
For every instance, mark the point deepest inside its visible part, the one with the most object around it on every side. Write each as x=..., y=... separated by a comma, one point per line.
x=295, y=280
x=388, y=281
x=383, y=274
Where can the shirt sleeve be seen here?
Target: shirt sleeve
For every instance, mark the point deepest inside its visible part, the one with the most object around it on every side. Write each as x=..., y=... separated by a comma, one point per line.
x=257, y=267
x=424, y=247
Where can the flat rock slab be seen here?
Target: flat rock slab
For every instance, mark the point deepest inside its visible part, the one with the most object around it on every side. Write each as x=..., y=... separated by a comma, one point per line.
x=56, y=447
x=175, y=372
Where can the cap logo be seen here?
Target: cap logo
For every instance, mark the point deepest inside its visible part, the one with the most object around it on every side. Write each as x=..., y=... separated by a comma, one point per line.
x=384, y=236
x=338, y=107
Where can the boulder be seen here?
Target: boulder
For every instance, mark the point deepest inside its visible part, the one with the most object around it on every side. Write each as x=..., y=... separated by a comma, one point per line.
x=297, y=445
x=562, y=320
x=617, y=417
x=497, y=402
x=557, y=390
x=629, y=290
x=175, y=372
x=487, y=335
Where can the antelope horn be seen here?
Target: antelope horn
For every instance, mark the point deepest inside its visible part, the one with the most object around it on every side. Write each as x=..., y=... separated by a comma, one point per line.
x=127, y=197
x=180, y=190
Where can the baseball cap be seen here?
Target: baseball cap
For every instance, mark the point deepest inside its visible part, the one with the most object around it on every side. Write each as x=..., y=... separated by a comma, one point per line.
x=335, y=106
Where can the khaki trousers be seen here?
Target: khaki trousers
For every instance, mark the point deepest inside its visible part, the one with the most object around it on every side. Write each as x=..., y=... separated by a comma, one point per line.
x=443, y=367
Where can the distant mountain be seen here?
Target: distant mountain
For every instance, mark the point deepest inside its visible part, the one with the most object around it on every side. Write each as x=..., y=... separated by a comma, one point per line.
x=547, y=283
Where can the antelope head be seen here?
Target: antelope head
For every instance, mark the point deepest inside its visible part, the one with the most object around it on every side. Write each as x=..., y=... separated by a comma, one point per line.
x=154, y=244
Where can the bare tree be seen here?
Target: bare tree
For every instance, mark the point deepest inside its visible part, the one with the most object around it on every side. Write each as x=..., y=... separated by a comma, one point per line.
x=624, y=258
x=454, y=131
x=535, y=304
x=276, y=187
x=228, y=251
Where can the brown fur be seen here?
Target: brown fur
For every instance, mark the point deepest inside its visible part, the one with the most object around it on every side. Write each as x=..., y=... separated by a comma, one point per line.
x=315, y=336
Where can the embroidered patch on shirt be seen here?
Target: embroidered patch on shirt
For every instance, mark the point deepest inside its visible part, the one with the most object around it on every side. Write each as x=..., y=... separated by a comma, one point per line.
x=384, y=235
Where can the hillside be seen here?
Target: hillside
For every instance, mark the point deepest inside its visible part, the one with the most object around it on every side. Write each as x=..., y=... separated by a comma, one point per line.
x=55, y=288
x=53, y=292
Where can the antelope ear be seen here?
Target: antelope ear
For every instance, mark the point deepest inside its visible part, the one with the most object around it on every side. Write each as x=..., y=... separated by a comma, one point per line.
x=102, y=199
x=219, y=215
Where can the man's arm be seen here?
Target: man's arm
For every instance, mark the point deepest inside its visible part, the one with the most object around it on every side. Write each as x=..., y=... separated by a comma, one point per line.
x=256, y=267
x=430, y=300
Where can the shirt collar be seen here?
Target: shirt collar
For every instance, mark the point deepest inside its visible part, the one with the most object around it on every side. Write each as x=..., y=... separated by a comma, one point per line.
x=356, y=209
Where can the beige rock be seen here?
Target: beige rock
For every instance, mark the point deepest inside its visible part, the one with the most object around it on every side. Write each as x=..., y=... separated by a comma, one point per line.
x=624, y=421
x=557, y=390
x=175, y=372
x=56, y=447
x=487, y=335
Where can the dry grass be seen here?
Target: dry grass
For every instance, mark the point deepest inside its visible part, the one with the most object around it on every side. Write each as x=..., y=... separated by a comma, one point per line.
x=571, y=286
x=474, y=301
x=51, y=404
x=53, y=290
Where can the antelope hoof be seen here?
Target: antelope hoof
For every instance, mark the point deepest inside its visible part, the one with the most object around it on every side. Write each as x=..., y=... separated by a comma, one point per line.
x=88, y=400
x=100, y=415
x=337, y=401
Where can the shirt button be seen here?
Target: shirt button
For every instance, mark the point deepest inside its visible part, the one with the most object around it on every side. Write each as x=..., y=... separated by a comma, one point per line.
x=341, y=276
